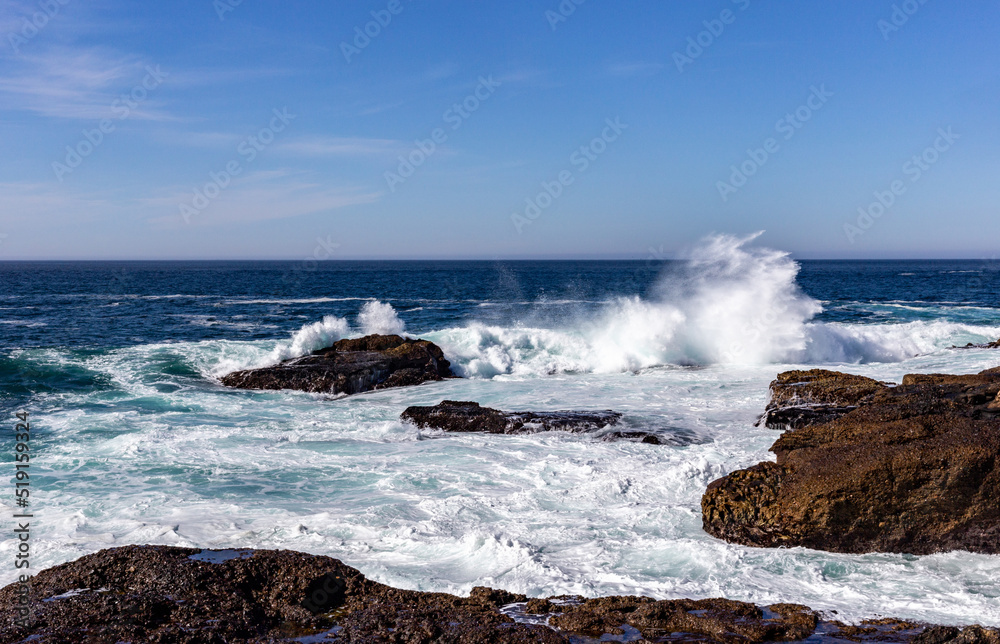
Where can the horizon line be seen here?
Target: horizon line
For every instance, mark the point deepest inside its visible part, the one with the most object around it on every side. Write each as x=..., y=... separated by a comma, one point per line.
x=516, y=258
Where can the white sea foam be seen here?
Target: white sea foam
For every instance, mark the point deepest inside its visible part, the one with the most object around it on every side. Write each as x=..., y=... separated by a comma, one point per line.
x=730, y=303
x=541, y=514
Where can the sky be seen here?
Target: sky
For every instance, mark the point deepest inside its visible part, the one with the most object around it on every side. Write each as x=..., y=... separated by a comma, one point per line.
x=240, y=129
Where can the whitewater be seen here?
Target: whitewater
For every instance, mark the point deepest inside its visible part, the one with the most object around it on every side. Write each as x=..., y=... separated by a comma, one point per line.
x=137, y=442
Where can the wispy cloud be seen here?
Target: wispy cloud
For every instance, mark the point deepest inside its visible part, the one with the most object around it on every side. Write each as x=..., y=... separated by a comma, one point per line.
x=526, y=75
x=75, y=84
x=200, y=77
x=343, y=147
x=441, y=71
x=636, y=68
x=259, y=196
x=194, y=139
x=33, y=204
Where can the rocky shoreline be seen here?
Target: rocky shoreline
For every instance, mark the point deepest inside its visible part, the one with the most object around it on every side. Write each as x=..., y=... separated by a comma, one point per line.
x=193, y=596
x=866, y=467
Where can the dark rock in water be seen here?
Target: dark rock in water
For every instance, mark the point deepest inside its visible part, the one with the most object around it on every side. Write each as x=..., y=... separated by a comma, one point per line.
x=913, y=469
x=633, y=436
x=458, y=416
x=988, y=345
x=352, y=366
x=802, y=398
x=164, y=594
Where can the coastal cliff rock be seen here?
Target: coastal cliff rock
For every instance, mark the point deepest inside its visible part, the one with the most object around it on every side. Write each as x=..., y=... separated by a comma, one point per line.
x=802, y=398
x=461, y=416
x=911, y=469
x=193, y=596
x=352, y=366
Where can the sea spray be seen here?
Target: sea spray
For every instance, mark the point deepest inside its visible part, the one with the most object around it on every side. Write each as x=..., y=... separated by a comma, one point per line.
x=726, y=303
x=374, y=317
x=311, y=337
x=380, y=317
x=739, y=305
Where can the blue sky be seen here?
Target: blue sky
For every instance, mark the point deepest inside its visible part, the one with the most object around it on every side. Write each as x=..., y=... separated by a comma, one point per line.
x=532, y=129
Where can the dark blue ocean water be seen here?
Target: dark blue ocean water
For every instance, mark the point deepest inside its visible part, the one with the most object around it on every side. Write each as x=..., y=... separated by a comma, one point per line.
x=115, y=304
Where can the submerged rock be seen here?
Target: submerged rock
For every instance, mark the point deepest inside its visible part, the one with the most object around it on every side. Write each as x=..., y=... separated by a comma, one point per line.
x=802, y=398
x=912, y=469
x=352, y=366
x=190, y=596
x=459, y=416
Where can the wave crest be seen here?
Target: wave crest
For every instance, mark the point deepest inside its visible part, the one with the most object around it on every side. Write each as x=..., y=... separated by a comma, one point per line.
x=727, y=304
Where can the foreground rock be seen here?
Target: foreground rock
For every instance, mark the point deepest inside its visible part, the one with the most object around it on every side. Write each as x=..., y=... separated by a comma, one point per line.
x=459, y=416
x=803, y=398
x=352, y=366
x=190, y=596
x=910, y=469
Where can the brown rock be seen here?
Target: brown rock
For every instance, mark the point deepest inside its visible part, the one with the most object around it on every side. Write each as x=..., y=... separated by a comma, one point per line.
x=539, y=606
x=352, y=366
x=161, y=594
x=191, y=596
x=721, y=620
x=912, y=469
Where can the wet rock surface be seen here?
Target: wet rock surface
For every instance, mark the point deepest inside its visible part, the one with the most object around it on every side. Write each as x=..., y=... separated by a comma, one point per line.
x=802, y=398
x=352, y=366
x=463, y=416
x=161, y=594
x=187, y=596
x=911, y=469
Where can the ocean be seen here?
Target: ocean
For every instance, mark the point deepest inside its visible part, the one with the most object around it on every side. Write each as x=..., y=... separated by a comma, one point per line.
x=135, y=441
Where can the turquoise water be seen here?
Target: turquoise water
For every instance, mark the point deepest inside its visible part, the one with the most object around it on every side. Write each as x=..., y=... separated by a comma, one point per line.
x=135, y=441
